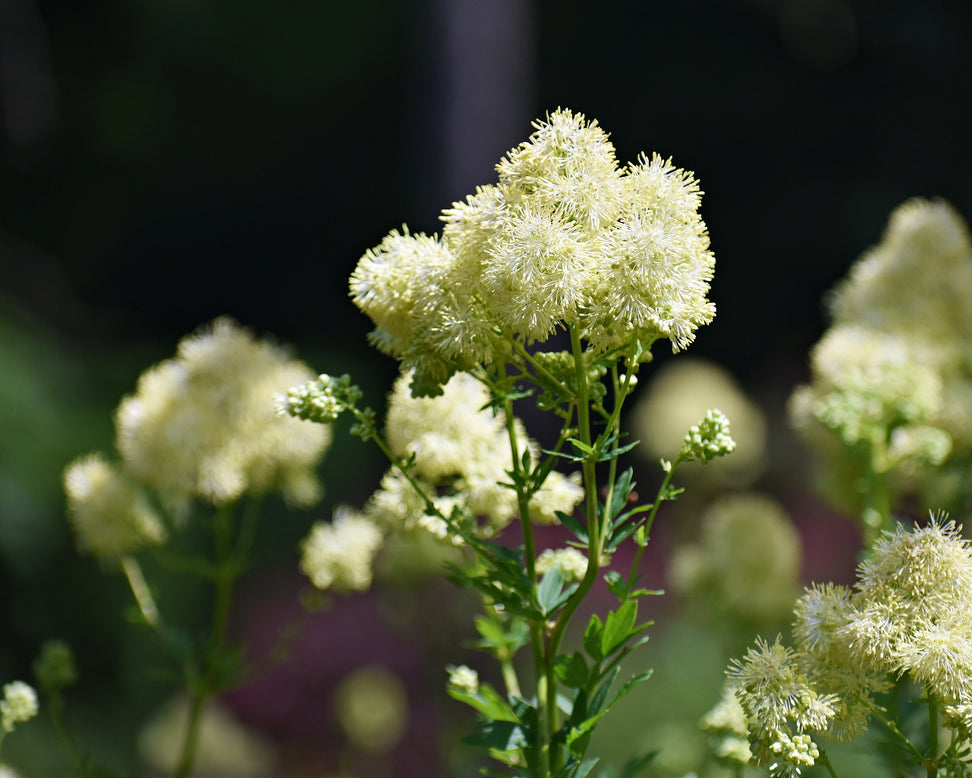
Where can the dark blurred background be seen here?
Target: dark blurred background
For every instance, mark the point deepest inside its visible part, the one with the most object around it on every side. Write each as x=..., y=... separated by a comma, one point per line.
x=163, y=162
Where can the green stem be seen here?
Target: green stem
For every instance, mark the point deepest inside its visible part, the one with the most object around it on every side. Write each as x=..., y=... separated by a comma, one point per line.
x=825, y=761
x=931, y=764
x=55, y=707
x=540, y=369
x=595, y=541
x=395, y=462
x=893, y=728
x=543, y=672
x=226, y=573
x=141, y=591
x=228, y=567
x=877, y=512
x=191, y=737
x=649, y=522
x=510, y=681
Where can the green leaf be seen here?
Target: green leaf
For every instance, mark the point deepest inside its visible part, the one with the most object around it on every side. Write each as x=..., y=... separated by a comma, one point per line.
x=572, y=670
x=548, y=590
x=487, y=701
x=492, y=633
x=581, y=446
x=571, y=522
x=616, y=583
x=497, y=735
x=647, y=593
x=562, y=455
x=622, y=490
x=637, y=764
x=614, y=453
x=512, y=601
x=499, y=638
x=593, y=636
x=619, y=535
x=597, y=701
x=599, y=709
x=618, y=627
x=577, y=769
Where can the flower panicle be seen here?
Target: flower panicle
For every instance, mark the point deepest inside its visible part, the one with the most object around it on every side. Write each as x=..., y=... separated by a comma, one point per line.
x=322, y=400
x=565, y=238
x=709, y=438
x=19, y=704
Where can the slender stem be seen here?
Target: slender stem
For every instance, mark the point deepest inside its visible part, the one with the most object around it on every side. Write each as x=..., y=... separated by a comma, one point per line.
x=540, y=664
x=614, y=427
x=659, y=499
x=247, y=533
x=430, y=506
x=893, y=728
x=825, y=761
x=931, y=764
x=55, y=707
x=595, y=541
x=877, y=511
x=539, y=368
x=141, y=591
x=226, y=573
x=510, y=681
x=227, y=569
x=191, y=737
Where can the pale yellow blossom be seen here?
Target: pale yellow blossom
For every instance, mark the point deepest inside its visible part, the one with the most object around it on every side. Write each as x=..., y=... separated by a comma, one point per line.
x=204, y=424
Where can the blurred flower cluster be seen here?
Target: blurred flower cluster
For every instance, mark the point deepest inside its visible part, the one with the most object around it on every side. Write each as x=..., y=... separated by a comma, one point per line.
x=889, y=404
x=200, y=426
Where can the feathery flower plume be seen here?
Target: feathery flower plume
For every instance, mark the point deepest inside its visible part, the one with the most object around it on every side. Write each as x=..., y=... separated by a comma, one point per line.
x=203, y=424
x=565, y=238
x=892, y=380
x=339, y=555
x=19, y=704
x=459, y=453
x=109, y=514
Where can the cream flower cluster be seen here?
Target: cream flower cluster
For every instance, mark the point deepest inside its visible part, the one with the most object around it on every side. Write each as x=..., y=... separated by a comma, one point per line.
x=460, y=454
x=202, y=425
x=110, y=514
x=339, y=555
x=571, y=561
x=19, y=704
x=893, y=374
x=909, y=614
x=678, y=394
x=565, y=237
x=746, y=561
x=709, y=438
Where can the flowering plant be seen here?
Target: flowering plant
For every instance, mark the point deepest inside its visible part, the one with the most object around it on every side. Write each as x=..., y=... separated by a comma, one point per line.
x=544, y=296
x=566, y=243
x=888, y=409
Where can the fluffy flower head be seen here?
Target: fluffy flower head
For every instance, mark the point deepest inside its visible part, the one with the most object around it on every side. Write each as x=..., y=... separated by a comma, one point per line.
x=571, y=561
x=564, y=238
x=19, y=704
x=203, y=424
x=339, y=555
x=460, y=452
x=747, y=561
x=109, y=514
